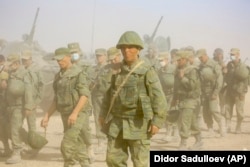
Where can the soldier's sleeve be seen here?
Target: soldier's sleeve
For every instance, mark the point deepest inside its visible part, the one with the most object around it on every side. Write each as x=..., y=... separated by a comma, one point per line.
x=29, y=101
x=157, y=97
x=82, y=85
x=219, y=79
x=190, y=80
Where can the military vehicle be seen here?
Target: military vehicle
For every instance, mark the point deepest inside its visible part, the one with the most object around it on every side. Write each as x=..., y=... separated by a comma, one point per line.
x=161, y=43
x=40, y=57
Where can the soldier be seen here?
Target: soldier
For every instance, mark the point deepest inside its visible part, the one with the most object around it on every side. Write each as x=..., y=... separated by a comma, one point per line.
x=166, y=75
x=211, y=83
x=71, y=100
x=173, y=54
x=35, y=76
x=137, y=109
x=19, y=99
x=76, y=55
x=219, y=57
x=237, y=86
x=186, y=96
x=97, y=95
x=151, y=56
x=4, y=123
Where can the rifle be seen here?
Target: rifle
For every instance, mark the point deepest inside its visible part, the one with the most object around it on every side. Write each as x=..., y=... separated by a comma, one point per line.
x=32, y=31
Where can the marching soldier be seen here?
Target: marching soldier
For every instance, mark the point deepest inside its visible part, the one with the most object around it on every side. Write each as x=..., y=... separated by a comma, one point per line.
x=211, y=83
x=237, y=87
x=71, y=100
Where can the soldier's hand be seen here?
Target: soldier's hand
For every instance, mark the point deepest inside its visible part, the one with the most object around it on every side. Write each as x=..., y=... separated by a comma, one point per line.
x=72, y=119
x=44, y=122
x=153, y=129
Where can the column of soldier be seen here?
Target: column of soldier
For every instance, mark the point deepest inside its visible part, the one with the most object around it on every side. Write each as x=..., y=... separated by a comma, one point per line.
x=133, y=98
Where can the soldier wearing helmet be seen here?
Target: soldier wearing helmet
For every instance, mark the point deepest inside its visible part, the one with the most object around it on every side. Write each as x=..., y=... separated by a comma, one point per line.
x=135, y=107
x=211, y=83
x=237, y=86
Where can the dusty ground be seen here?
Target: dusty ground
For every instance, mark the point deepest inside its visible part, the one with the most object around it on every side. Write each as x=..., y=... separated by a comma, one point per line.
x=50, y=155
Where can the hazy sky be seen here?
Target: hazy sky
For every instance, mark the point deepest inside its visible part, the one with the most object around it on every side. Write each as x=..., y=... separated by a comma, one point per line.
x=199, y=23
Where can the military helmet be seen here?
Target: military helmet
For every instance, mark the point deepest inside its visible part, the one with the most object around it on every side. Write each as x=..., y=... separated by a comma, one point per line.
x=74, y=47
x=207, y=74
x=241, y=72
x=218, y=51
x=112, y=53
x=35, y=140
x=130, y=38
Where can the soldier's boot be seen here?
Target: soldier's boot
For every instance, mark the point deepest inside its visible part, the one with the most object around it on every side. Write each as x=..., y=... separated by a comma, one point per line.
x=210, y=132
x=238, y=127
x=176, y=136
x=169, y=130
x=91, y=153
x=228, y=125
x=183, y=144
x=222, y=129
x=15, y=157
x=198, y=143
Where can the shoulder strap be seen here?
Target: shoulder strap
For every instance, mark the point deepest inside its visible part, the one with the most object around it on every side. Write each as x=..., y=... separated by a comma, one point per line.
x=107, y=119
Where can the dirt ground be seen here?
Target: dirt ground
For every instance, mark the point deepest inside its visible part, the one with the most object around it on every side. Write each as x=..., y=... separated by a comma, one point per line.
x=50, y=155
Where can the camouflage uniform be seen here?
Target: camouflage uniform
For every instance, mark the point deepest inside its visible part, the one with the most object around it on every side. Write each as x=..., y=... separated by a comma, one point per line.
x=139, y=105
x=35, y=76
x=69, y=86
x=237, y=86
x=187, y=94
x=166, y=75
x=211, y=83
x=19, y=98
x=4, y=123
x=76, y=54
x=98, y=90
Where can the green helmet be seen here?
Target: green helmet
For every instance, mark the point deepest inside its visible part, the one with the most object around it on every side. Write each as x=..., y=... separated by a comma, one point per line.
x=207, y=74
x=241, y=72
x=35, y=140
x=130, y=38
x=16, y=87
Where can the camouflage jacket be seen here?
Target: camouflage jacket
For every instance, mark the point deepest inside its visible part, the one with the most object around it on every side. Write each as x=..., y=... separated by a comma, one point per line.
x=140, y=102
x=35, y=76
x=19, y=90
x=95, y=85
x=166, y=75
x=212, y=87
x=187, y=89
x=235, y=85
x=69, y=86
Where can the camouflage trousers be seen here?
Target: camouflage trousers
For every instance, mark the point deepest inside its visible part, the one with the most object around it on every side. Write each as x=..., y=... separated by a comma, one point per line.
x=239, y=104
x=188, y=122
x=4, y=124
x=97, y=105
x=117, y=152
x=211, y=111
x=16, y=122
x=72, y=146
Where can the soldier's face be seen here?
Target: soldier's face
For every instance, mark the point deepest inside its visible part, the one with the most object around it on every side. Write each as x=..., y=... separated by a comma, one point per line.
x=65, y=62
x=181, y=62
x=130, y=53
x=101, y=59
